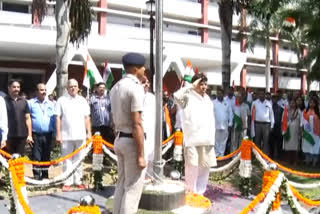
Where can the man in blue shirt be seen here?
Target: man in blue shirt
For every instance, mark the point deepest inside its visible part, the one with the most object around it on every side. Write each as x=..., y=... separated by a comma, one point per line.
x=43, y=126
x=100, y=106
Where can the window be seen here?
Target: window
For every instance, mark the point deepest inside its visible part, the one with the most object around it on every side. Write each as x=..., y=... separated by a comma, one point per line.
x=15, y=7
x=139, y=25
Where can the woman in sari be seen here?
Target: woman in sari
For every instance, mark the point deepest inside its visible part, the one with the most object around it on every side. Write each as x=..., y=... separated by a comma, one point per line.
x=311, y=132
x=292, y=136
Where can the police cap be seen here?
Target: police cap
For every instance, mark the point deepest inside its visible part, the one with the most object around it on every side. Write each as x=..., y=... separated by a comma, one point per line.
x=133, y=59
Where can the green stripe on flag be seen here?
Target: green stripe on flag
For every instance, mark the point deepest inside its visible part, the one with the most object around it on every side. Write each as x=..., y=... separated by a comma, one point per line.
x=92, y=80
x=308, y=137
x=287, y=135
x=109, y=81
x=238, y=122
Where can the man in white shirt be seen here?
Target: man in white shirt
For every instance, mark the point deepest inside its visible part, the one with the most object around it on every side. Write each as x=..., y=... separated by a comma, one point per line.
x=198, y=126
x=223, y=120
x=263, y=119
x=3, y=122
x=73, y=128
x=230, y=98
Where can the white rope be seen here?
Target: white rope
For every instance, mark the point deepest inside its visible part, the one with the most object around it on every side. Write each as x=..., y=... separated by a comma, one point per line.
x=292, y=183
x=228, y=166
x=296, y=203
x=304, y=186
x=65, y=175
x=263, y=162
x=109, y=153
x=4, y=162
x=271, y=196
x=167, y=147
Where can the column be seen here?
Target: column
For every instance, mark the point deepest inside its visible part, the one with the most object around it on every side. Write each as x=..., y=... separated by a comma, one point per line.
x=243, y=45
x=275, y=62
x=102, y=18
x=205, y=21
x=304, y=83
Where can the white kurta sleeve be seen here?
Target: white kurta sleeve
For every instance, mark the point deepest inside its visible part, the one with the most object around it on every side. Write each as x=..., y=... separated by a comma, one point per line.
x=180, y=96
x=3, y=119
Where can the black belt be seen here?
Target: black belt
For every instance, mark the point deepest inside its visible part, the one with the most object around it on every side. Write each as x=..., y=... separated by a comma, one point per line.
x=42, y=133
x=261, y=122
x=129, y=135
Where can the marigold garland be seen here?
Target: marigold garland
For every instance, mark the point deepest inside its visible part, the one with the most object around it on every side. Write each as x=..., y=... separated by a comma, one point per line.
x=304, y=174
x=53, y=162
x=111, y=146
x=246, y=149
x=229, y=155
x=277, y=202
x=17, y=166
x=17, y=186
x=178, y=141
x=197, y=200
x=268, y=180
x=5, y=154
x=97, y=144
x=305, y=200
x=85, y=210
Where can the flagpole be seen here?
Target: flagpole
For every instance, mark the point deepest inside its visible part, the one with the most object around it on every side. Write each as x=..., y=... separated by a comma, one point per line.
x=157, y=162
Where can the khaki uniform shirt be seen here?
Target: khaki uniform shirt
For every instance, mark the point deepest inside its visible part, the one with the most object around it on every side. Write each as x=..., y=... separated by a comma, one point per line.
x=126, y=96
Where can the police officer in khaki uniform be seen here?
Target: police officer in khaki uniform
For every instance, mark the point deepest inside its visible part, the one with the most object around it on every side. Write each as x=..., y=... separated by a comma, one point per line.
x=126, y=105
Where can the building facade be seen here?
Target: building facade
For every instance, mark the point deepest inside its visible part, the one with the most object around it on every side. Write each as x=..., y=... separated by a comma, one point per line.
x=191, y=32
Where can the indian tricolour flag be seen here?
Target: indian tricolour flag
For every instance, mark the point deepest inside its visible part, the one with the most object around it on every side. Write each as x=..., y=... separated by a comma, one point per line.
x=91, y=74
x=237, y=117
x=108, y=76
x=189, y=72
x=285, y=126
x=307, y=129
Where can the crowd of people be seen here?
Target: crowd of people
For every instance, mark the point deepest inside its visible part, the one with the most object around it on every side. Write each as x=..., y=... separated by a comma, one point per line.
x=283, y=125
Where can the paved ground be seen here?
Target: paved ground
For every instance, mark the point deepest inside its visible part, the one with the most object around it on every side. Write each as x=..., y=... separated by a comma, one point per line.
x=225, y=201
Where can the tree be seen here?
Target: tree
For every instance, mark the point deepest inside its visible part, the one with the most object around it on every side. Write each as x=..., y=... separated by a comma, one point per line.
x=226, y=10
x=266, y=22
x=73, y=23
x=308, y=15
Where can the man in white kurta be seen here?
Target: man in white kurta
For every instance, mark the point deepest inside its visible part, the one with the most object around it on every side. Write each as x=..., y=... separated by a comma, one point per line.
x=198, y=127
x=73, y=128
x=3, y=122
x=149, y=123
x=223, y=122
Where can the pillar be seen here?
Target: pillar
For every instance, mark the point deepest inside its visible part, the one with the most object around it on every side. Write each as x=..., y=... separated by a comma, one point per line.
x=304, y=86
x=205, y=21
x=243, y=47
x=275, y=62
x=102, y=18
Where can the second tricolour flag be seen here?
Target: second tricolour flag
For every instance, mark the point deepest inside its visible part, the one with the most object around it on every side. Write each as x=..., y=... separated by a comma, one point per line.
x=91, y=74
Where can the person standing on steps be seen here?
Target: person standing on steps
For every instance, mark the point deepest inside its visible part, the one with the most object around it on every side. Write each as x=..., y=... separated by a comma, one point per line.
x=199, y=133
x=127, y=104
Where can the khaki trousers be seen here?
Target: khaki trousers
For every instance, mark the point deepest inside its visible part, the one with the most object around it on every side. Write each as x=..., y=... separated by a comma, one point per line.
x=130, y=177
